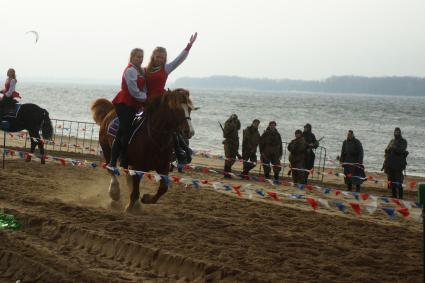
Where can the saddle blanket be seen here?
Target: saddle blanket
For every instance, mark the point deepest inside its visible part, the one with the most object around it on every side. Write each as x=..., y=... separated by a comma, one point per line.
x=115, y=124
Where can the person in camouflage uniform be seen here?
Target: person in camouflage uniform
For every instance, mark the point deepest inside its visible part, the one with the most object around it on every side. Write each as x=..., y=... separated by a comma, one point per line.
x=352, y=160
x=312, y=143
x=250, y=140
x=271, y=150
x=231, y=141
x=297, y=147
x=395, y=163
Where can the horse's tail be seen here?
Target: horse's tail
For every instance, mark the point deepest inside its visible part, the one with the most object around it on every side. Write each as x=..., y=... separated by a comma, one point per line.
x=100, y=108
x=46, y=127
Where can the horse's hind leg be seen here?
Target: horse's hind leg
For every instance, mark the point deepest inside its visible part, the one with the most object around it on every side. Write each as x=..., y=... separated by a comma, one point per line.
x=147, y=198
x=133, y=183
x=33, y=141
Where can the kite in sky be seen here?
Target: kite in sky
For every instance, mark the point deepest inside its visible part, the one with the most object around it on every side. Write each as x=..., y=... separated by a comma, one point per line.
x=35, y=33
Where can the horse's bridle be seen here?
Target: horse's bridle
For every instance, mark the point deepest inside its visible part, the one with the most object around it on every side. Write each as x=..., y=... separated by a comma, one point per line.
x=170, y=133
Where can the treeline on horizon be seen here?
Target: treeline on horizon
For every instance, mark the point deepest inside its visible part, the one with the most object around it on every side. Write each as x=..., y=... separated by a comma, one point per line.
x=414, y=86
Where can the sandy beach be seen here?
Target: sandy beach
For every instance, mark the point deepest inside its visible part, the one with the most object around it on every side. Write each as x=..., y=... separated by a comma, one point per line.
x=72, y=232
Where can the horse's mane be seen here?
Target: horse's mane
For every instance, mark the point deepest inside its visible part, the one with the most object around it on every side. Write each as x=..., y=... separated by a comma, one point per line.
x=173, y=99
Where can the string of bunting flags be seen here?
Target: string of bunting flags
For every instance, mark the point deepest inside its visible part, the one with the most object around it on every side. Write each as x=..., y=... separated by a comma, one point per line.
x=358, y=202
x=411, y=185
x=20, y=136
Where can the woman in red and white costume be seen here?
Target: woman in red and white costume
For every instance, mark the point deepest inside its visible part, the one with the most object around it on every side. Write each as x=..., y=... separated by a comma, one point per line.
x=9, y=93
x=158, y=69
x=126, y=102
x=157, y=73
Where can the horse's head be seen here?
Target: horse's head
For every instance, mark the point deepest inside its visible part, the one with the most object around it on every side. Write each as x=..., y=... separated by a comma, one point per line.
x=180, y=104
x=170, y=112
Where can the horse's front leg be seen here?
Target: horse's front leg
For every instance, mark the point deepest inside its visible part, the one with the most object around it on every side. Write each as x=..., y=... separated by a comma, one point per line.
x=41, y=148
x=114, y=188
x=33, y=145
x=148, y=198
x=133, y=183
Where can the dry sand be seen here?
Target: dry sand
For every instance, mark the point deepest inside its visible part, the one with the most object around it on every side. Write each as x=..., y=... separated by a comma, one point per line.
x=71, y=233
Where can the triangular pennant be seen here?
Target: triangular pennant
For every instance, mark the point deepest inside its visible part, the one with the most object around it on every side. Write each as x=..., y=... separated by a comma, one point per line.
x=324, y=202
x=273, y=195
x=356, y=207
x=389, y=211
x=260, y=192
x=403, y=211
x=312, y=202
x=340, y=206
x=407, y=204
x=364, y=196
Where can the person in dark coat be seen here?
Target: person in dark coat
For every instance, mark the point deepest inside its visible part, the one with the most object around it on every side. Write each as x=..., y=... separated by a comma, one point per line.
x=231, y=141
x=395, y=163
x=271, y=150
x=250, y=140
x=312, y=144
x=297, y=147
x=351, y=160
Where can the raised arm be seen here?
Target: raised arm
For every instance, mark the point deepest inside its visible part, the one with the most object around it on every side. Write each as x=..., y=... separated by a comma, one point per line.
x=182, y=56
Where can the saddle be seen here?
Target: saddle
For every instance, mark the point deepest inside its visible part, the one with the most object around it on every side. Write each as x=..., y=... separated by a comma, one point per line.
x=11, y=110
x=137, y=123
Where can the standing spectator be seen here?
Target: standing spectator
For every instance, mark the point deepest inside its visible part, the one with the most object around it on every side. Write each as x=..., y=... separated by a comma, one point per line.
x=352, y=161
x=271, y=150
x=231, y=142
x=395, y=163
x=250, y=140
x=297, y=147
x=312, y=143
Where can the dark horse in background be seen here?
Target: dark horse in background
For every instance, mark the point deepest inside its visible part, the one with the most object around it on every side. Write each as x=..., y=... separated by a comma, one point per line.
x=152, y=144
x=32, y=118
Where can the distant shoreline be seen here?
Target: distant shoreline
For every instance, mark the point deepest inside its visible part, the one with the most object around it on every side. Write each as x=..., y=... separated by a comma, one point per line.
x=400, y=86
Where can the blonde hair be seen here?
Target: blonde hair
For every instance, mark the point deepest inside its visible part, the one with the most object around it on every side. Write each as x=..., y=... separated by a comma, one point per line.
x=132, y=54
x=157, y=49
x=13, y=76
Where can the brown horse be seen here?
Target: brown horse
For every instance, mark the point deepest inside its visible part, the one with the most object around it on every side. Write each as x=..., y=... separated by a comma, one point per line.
x=152, y=145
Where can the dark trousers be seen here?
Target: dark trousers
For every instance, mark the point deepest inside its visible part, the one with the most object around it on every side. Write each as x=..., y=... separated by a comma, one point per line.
x=298, y=176
x=247, y=166
x=395, y=182
x=230, y=152
x=275, y=164
x=126, y=116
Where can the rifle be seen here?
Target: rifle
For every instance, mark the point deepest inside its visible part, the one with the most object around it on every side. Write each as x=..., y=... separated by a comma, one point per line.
x=237, y=153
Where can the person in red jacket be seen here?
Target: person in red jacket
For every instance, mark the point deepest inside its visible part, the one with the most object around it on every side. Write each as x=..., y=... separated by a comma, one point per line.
x=9, y=93
x=158, y=69
x=126, y=102
x=157, y=73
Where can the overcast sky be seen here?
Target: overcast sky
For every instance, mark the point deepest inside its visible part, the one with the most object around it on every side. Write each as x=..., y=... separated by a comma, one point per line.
x=298, y=39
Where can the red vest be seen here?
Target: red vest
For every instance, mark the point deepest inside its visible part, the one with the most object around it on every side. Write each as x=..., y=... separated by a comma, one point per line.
x=124, y=95
x=6, y=89
x=155, y=82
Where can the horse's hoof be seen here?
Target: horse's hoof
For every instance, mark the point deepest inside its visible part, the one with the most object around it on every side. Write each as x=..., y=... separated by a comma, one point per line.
x=115, y=195
x=43, y=161
x=146, y=198
x=132, y=208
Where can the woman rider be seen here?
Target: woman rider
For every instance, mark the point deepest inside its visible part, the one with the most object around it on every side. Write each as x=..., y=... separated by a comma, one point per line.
x=8, y=92
x=157, y=73
x=126, y=102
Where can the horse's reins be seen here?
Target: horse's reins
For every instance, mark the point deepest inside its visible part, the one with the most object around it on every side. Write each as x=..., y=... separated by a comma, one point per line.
x=167, y=132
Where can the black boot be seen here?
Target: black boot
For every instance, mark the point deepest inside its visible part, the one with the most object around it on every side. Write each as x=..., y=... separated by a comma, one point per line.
x=179, y=151
x=185, y=146
x=115, y=152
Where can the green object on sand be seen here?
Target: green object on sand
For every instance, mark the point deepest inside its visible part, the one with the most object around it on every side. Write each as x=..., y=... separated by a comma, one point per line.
x=8, y=221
